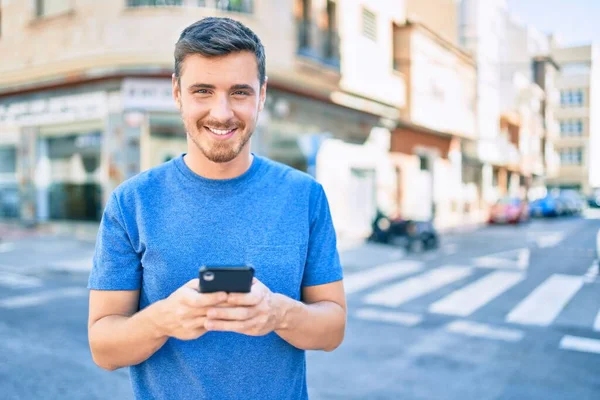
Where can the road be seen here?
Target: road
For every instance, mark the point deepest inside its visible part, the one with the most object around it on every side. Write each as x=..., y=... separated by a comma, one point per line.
x=496, y=313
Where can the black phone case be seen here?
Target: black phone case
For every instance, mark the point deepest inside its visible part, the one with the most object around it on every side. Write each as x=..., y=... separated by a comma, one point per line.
x=236, y=279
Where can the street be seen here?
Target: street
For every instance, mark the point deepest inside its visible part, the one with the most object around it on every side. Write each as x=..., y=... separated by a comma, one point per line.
x=502, y=312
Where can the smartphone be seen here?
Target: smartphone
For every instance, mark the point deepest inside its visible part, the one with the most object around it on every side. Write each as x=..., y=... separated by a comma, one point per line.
x=230, y=279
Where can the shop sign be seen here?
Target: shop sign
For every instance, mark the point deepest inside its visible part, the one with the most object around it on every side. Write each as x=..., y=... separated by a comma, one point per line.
x=52, y=110
x=148, y=94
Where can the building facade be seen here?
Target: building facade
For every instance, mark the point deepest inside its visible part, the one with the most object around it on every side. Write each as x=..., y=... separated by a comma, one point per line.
x=85, y=91
x=438, y=121
x=578, y=144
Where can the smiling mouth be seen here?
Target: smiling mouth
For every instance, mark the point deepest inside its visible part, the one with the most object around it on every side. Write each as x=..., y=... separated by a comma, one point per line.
x=221, y=132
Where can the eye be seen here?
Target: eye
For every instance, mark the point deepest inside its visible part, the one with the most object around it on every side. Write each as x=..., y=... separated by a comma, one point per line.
x=241, y=93
x=201, y=91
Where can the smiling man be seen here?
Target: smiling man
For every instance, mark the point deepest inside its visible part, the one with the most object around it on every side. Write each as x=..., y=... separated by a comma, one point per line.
x=218, y=204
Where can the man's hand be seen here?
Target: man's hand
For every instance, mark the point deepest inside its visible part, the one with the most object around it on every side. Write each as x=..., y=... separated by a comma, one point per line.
x=182, y=315
x=256, y=313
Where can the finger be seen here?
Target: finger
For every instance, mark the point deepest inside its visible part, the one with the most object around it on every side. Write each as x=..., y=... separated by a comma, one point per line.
x=232, y=313
x=245, y=299
x=193, y=298
x=211, y=299
x=226, y=326
x=195, y=323
x=256, y=295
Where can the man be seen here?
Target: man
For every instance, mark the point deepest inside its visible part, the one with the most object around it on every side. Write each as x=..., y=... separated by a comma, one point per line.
x=216, y=205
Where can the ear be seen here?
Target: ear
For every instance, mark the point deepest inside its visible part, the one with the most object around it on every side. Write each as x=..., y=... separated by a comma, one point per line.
x=176, y=91
x=263, y=95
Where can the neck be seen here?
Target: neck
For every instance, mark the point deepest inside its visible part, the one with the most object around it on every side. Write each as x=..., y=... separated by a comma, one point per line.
x=199, y=164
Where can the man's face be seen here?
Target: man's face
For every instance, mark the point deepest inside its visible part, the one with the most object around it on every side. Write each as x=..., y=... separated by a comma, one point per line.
x=219, y=99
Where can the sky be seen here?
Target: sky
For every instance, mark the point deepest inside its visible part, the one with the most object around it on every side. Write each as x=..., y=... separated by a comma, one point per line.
x=572, y=20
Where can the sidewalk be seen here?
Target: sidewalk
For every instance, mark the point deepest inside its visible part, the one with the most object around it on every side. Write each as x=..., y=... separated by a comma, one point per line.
x=84, y=231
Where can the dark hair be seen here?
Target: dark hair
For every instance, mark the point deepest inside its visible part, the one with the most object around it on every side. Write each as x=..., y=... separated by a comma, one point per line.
x=213, y=37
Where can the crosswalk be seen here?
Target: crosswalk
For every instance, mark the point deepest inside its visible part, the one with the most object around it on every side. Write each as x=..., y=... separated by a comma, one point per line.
x=383, y=291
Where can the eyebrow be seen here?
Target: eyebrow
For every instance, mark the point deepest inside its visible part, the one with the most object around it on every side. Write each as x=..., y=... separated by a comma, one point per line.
x=241, y=86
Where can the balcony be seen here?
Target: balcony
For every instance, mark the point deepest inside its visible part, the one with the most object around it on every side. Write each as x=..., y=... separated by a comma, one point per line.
x=317, y=44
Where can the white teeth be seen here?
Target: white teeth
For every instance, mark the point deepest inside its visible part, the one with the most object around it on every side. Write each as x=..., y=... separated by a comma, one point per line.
x=220, y=131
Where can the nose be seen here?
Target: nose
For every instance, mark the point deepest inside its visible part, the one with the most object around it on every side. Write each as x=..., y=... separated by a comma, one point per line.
x=221, y=109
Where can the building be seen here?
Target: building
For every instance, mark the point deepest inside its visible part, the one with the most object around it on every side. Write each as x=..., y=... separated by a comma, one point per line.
x=435, y=181
x=528, y=100
x=482, y=29
x=578, y=145
x=85, y=92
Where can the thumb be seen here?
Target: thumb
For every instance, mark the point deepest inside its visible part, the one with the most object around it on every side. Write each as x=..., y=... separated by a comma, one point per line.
x=193, y=284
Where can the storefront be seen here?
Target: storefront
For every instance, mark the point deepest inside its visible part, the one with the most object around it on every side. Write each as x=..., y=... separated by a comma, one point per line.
x=73, y=146
x=9, y=190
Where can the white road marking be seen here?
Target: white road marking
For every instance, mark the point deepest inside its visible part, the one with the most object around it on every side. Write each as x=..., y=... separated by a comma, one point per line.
x=582, y=344
x=373, y=276
x=19, y=281
x=41, y=298
x=401, y=318
x=597, y=322
x=465, y=301
x=592, y=272
x=401, y=292
x=474, y=329
x=544, y=304
x=6, y=247
x=550, y=240
x=511, y=259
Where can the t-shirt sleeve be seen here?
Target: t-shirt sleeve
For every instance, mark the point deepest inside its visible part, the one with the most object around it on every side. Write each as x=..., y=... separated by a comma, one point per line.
x=323, y=261
x=116, y=264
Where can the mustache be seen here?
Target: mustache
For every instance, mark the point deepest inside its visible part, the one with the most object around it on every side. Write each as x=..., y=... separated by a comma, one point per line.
x=220, y=125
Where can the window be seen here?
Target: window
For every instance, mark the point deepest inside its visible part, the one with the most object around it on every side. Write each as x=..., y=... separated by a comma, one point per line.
x=571, y=156
x=244, y=6
x=571, y=128
x=142, y=3
x=571, y=98
x=369, y=26
x=49, y=8
x=8, y=160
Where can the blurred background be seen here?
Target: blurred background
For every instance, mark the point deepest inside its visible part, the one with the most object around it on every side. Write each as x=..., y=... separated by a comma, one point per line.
x=458, y=143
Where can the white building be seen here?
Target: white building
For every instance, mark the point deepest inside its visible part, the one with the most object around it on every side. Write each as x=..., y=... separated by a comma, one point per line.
x=482, y=30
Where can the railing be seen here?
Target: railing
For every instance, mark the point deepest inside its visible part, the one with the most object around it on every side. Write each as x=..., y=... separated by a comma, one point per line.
x=318, y=44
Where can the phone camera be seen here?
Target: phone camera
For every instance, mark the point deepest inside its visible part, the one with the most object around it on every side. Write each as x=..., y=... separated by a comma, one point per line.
x=208, y=276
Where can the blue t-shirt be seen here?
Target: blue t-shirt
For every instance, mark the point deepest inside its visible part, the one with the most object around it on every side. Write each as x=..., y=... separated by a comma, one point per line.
x=160, y=226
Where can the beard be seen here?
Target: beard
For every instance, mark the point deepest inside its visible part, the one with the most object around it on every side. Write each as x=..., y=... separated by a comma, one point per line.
x=218, y=151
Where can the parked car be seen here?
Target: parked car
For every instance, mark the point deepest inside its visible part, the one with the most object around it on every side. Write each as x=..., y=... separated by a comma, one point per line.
x=574, y=202
x=548, y=206
x=509, y=210
x=594, y=201
x=414, y=236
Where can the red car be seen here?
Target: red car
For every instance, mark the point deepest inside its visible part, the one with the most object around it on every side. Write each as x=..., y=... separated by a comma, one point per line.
x=509, y=210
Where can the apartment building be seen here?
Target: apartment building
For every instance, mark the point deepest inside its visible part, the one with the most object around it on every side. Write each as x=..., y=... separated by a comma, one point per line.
x=578, y=144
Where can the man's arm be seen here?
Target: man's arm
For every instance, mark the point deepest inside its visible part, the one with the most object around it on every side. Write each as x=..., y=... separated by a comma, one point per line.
x=120, y=337
x=317, y=323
